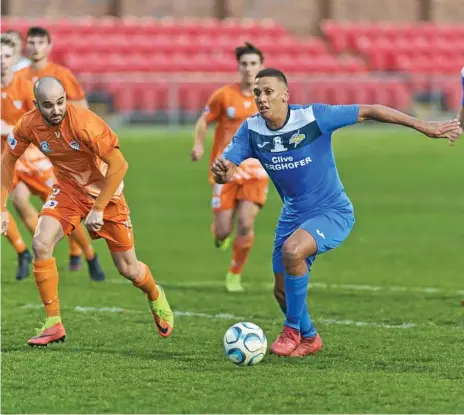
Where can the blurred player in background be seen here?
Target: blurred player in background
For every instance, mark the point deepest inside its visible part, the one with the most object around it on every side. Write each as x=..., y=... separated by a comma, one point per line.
x=246, y=194
x=16, y=100
x=38, y=47
x=90, y=169
x=294, y=144
x=20, y=61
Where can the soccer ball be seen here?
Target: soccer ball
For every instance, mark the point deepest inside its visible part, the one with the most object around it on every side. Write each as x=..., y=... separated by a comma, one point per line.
x=245, y=344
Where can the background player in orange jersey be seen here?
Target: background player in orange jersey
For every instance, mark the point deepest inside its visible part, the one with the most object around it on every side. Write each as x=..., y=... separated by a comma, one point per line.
x=34, y=172
x=11, y=105
x=246, y=194
x=90, y=168
x=38, y=47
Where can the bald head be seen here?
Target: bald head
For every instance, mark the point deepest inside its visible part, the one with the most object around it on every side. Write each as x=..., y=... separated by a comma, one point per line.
x=50, y=99
x=48, y=86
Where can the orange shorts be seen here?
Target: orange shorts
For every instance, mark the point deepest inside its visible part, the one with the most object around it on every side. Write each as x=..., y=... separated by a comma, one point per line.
x=225, y=196
x=70, y=206
x=39, y=183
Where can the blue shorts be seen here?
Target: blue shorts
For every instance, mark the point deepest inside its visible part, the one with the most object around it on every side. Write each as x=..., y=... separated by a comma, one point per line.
x=329, y=230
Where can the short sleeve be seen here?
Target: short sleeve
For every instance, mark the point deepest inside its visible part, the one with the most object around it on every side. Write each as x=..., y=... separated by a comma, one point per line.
x=18, y=140
x=331, y=117
x=74, y=90
x=214, y=106
x=97, y=135
x=239, y=149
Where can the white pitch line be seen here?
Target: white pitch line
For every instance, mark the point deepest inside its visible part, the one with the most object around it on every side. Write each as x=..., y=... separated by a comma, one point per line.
x=316, y=285
x=227, y=316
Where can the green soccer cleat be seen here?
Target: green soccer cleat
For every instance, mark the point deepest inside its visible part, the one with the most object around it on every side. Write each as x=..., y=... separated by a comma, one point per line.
x=233, y=283
x=222, y=245
x=162, y=314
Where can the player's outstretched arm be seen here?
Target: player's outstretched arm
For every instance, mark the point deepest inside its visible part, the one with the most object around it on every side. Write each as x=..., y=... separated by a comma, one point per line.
x=8, y=168
x=223, y=170
x=450, y=130
x=201, y=128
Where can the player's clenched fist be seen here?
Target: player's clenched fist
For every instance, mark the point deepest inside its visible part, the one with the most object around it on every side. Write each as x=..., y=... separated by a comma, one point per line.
x=220, y=169
x=94, y=220
x=5, y=222
x=197, y=152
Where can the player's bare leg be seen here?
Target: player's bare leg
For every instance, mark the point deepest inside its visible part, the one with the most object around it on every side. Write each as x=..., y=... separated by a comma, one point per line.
x=222, y=228
x=79, y=238
x=131, y=268
x=20, y=199
x=246, y=216
x=298, y=338
x=48, y=233
x=24, y=256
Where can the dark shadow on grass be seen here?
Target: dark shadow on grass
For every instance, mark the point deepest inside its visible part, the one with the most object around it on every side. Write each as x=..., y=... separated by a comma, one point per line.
x=154, y=354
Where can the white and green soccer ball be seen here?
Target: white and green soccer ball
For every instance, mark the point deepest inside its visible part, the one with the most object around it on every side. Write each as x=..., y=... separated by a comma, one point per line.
x=245, y=344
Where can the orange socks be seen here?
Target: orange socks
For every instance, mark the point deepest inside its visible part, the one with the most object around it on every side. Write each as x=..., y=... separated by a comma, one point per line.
x=46, y=279
x=14, y=236
x=78, y=240
x=241, y=250
x=146, y=283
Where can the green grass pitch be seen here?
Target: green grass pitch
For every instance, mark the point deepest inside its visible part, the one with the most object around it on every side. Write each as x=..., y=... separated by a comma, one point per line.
x=386, y=303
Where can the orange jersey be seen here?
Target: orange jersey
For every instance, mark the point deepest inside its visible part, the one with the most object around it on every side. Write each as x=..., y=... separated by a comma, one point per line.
x=74, y=90
x=74, y=147
x=229, y=108
x=17, y=99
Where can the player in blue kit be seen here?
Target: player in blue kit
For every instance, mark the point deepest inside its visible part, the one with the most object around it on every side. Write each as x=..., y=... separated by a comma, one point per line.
x=294, y=144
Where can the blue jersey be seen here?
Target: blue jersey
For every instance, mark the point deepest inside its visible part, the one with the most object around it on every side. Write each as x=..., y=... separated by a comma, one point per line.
x=298, y=157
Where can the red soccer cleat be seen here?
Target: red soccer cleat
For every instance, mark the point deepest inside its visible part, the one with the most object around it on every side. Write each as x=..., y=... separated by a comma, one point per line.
x=53, y=334
x=307, y=346
x=287, y=342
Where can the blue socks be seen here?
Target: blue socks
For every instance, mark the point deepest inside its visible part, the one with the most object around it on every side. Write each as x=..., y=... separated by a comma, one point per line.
x=307, y=328
x=296, y=288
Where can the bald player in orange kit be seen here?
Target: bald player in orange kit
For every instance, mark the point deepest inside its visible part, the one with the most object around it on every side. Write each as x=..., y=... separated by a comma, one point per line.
x=38, y=47
x=90, y=168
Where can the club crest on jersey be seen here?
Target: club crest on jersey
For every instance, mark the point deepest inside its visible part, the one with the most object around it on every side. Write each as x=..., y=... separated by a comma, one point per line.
x=247, y=104
x=12, y=142
x=45, y=147
x=278, y=145
x=297, y=138
x=50, y=204
x=18, y=104
x=230, y=112
x=4, y=95
x=74, y=144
